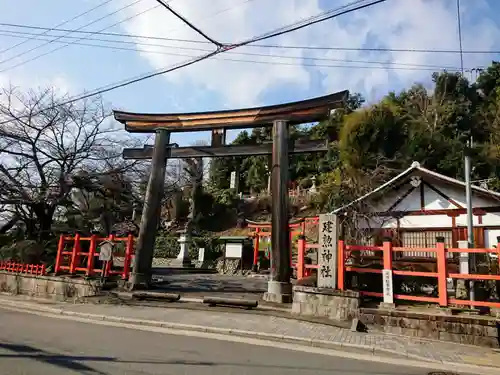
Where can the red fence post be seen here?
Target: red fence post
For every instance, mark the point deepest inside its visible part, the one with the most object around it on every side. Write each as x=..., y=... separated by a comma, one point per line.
x=301, y=253
x=341, y=267
x=90, y=260
x=60, y=249
x=256, y=250
x=387, y=246
x=74, y=254
x=498, y=255
x=128, y=256
x=442, y=272
x=387, y=282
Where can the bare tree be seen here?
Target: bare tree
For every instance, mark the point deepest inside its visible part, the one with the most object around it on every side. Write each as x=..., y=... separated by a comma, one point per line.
x=47, y=148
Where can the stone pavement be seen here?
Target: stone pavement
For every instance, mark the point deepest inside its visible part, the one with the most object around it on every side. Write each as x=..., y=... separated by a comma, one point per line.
x=269, y=327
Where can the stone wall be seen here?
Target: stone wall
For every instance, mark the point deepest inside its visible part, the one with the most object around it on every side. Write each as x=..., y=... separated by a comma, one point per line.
x=325, y=303
x=473, y=330
x=49, y=287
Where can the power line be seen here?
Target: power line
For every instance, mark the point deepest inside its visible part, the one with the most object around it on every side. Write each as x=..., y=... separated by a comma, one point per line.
x=189, y=24
x=413, y=65
x=61, y=47
x=102, y=30
x=282, y=31
x=320, y=18
x=415, y=50
x=49, y=42
x=331, y=13
x=277, y=46
x=60, y=24
x=122, y=34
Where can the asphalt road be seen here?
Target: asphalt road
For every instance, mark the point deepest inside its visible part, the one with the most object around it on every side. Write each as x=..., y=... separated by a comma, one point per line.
x=31, y=344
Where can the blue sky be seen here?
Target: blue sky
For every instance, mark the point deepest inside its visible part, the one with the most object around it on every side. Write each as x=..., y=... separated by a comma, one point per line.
x=220, y=84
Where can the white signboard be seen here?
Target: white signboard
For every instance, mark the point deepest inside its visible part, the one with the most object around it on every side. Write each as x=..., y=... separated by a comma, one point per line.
x=387, y=286
x=327, y=252
x=232, y=183
x=201, y=254
x=234, y=250
x=106, y=251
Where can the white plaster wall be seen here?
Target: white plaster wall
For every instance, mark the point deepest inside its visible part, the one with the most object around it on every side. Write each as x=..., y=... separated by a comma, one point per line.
x=422, y=221
x=488, y=219
x=458, y=195
x=490, y=237
x=433, y=201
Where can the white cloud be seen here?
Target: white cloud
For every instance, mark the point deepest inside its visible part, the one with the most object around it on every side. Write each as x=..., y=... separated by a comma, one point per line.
x=60, y=82
x=397, y=24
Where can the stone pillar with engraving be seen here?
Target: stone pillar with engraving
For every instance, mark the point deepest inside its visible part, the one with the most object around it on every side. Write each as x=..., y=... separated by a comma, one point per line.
x=327, y=252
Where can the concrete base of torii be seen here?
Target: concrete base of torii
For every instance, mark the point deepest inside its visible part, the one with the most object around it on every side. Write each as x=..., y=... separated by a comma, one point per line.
x=278, y=292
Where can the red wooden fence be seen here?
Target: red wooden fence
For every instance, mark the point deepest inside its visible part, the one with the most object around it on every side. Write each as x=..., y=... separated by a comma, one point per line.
x=75, y=260
x=441, y=275
x=30, y=269
x=263, y=230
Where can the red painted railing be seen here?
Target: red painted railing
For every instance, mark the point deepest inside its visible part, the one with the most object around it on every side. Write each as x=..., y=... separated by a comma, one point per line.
x=30, y=269
x=262, y=230
x=442, y=274
x=75, y=260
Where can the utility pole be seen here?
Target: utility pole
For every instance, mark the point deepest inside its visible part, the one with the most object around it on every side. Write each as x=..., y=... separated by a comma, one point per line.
x=470, y=218
x=468, y=172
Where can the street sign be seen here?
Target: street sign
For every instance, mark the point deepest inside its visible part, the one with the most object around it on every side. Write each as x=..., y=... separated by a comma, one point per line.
x=106, y=250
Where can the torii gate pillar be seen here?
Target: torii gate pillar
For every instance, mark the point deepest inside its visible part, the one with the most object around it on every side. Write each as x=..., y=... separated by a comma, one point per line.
x=279, y=286
x=140, y=277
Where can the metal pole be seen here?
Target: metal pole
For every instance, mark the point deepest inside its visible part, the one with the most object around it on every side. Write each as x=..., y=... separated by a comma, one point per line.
x=468, y=170
x=470, y=222
x=141, y=275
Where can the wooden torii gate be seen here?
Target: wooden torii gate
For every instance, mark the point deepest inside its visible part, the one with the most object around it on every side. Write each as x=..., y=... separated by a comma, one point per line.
x=280, y=117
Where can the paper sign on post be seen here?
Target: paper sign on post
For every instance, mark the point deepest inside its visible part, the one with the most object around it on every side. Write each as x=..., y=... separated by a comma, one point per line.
x=106, y=250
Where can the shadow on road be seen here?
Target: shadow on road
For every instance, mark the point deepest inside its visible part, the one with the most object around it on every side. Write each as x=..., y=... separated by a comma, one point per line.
x=64, y=361
x=74, y=363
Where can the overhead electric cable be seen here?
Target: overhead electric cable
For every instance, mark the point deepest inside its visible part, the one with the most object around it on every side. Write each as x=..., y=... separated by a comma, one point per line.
x=444, y=67
x=189, y=24
x=83, y=38
x=59, y=24
x=292, y=27
x=126, y=35
x=331, y=15
x=277, y=46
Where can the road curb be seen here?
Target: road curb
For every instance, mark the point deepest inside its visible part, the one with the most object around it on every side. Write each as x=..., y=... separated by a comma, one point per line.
x=371, y=349
x=280, y=341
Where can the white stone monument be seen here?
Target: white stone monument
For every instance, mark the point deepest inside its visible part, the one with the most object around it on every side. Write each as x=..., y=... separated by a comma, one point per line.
x=327, y=252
